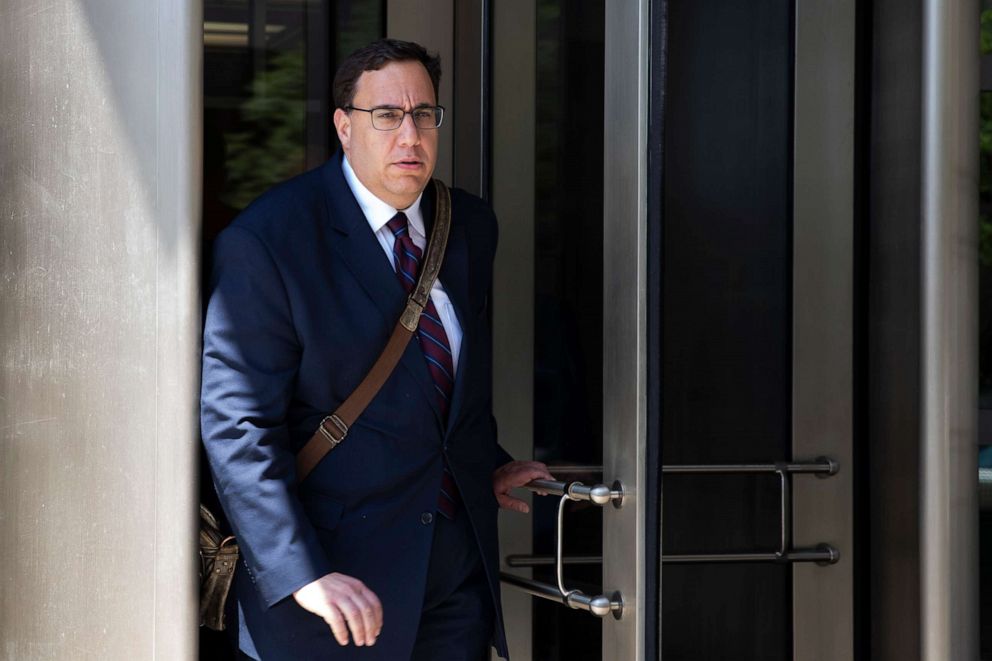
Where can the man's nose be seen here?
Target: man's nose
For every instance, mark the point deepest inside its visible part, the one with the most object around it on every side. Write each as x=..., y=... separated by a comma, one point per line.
x=409, y=134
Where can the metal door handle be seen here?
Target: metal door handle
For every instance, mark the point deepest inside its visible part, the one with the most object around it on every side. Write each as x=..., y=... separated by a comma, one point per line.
x=598, y=494
x=599, y=605
x=821, y=554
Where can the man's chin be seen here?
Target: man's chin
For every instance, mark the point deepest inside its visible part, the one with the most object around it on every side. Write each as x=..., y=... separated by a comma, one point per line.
x=409, y=184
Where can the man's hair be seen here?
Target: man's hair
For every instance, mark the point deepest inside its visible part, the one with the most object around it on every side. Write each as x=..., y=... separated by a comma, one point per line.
x=374, y=57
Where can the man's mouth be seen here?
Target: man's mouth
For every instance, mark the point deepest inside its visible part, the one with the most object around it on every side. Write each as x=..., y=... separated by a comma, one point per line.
x=409, y=163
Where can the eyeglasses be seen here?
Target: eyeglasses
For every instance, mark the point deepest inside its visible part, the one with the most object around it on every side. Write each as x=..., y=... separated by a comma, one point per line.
x=390, y=119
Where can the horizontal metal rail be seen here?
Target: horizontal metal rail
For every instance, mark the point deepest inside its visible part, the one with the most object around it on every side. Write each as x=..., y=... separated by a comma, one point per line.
x=820, y=466
x=577, y=469
x=599, y=605
x=822, y=554
x=524, y=560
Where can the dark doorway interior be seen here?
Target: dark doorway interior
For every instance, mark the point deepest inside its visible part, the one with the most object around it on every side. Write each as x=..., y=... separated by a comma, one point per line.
x=568, y=301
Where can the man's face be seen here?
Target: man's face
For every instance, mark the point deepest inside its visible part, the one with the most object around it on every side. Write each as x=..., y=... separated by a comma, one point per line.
x=394, y=165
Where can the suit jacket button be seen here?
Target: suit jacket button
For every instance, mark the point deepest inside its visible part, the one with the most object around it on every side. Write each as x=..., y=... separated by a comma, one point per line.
x=426, y=518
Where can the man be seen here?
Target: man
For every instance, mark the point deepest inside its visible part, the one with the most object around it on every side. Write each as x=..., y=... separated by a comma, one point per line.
x=388, y=550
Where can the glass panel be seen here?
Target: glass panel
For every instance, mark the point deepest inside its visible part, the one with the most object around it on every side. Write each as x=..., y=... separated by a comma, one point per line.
x=267, y=100
x=985, y=345
x=568, y=376
x=727, y=322
x=267, y=72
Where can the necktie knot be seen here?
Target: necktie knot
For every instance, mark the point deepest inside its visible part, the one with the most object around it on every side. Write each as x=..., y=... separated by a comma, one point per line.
x=397, y=224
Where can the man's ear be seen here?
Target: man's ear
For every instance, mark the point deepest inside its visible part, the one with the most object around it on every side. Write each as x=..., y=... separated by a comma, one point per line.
x=342, y=123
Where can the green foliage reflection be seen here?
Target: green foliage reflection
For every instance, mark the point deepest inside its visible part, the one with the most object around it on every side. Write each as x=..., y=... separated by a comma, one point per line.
x=273, y=148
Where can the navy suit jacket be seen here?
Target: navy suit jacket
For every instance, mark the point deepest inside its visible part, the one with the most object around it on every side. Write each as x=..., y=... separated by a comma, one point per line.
x=302, y=302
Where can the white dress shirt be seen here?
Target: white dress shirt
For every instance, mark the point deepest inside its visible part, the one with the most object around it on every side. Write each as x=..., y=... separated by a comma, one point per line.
x=378, y=213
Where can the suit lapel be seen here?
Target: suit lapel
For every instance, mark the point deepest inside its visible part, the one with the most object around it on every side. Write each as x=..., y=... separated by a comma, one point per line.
x=359, y=249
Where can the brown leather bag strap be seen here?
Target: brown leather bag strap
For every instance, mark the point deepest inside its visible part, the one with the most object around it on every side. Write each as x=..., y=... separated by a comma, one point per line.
x=333, y=429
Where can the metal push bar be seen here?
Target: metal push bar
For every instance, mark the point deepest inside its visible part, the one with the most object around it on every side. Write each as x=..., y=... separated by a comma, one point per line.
x=600, y=494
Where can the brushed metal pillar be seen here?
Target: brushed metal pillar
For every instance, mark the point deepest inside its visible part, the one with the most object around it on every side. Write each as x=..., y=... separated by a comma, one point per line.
x=949, y=370
x=100, y=111
x=625, y=139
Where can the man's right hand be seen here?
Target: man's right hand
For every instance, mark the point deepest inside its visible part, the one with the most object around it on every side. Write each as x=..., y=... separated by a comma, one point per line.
x=344, y=603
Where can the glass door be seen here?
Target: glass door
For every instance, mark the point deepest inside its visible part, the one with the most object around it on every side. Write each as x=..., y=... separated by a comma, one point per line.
x=547, y=121
x=568, y=165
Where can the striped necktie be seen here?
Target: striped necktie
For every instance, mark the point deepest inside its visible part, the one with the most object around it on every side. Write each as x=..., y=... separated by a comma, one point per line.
x=433, y=343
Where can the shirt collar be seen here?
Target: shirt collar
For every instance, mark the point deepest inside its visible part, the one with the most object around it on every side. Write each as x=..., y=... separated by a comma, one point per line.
x=377, y=212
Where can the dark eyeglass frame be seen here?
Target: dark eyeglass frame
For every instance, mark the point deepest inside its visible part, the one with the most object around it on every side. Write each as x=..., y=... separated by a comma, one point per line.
x=438, y=112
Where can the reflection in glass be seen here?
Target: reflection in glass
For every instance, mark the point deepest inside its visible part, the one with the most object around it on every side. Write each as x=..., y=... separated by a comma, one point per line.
x=268, y=66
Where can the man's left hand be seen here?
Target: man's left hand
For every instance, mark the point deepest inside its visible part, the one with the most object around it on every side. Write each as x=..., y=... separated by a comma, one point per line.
x=516, y=474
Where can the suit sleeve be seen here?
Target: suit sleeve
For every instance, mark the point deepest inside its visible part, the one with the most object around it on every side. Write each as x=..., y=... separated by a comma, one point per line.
x=250, y=360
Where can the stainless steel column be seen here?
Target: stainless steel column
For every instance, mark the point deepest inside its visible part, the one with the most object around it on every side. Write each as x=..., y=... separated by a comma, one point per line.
x=949, y=370
x=100, y=107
